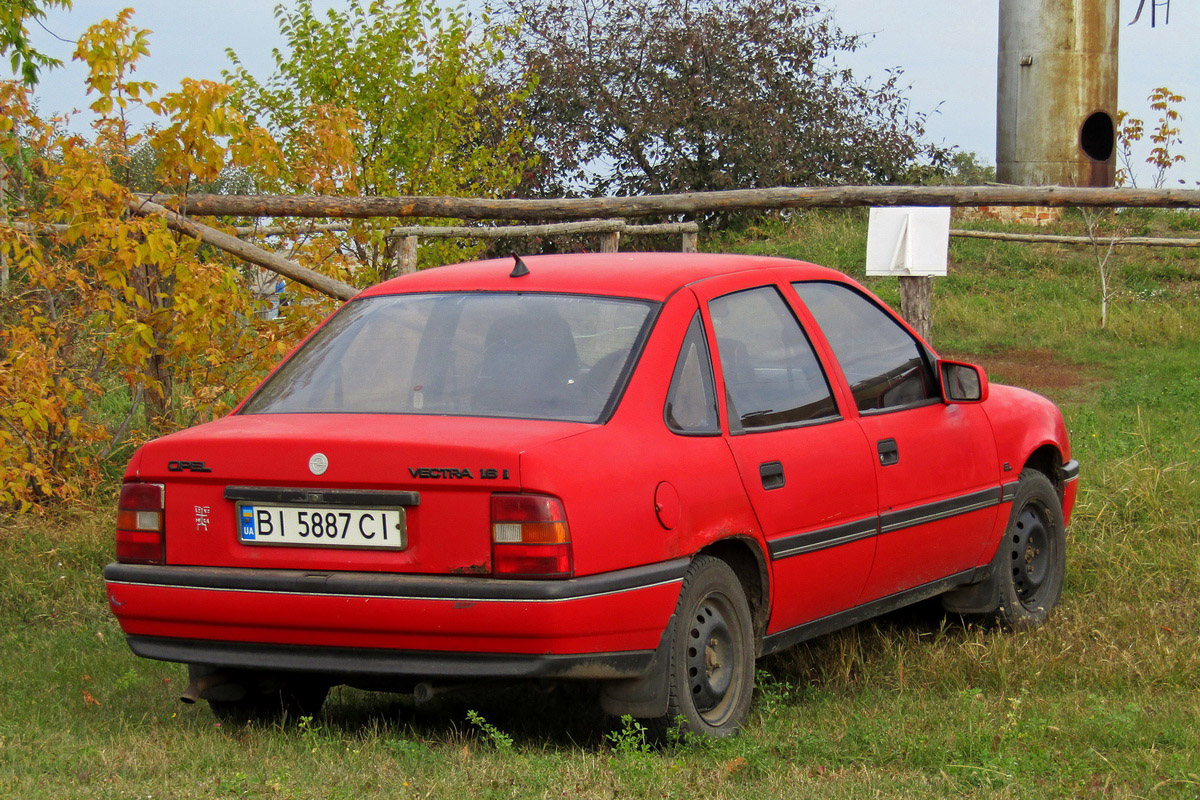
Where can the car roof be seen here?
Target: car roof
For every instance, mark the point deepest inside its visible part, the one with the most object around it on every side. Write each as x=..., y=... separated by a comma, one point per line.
x=654, y=276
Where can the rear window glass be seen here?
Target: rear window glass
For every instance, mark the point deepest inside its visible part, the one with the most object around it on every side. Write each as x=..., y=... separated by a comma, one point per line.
x=536, y=356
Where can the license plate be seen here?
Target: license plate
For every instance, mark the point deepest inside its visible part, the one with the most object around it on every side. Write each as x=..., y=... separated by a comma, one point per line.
x=322, y=526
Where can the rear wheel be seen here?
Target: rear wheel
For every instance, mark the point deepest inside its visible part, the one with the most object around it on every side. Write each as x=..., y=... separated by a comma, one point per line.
x=711, y=670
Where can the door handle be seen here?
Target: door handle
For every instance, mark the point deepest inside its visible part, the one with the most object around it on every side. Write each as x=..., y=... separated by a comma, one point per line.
x=889, y=452
x=772, y=476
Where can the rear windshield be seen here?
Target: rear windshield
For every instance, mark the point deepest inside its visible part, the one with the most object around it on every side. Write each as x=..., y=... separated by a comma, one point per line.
x=536, y=356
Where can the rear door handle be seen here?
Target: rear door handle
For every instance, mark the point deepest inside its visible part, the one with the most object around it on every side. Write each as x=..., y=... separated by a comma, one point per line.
x=771, y=473
x=889, y=452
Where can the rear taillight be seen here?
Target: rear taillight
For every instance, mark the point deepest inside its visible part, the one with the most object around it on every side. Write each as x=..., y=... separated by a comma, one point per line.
x=530, y=537
x=140, y=524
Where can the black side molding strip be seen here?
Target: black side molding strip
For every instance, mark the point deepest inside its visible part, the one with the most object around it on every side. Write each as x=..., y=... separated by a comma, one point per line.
x=1069, y=471
x=372, y=584
x=340, y=497
x=930, y=512
x=349, y=661
x=845, y=533
x=844, y=619
x=825, y=537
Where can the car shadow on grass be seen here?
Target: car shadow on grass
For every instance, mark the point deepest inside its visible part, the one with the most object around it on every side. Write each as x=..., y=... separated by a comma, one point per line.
x=863, y=655
x=567, y=715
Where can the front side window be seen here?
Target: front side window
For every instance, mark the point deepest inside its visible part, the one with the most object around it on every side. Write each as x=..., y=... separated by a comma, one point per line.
x=772, y=375
x=692, y=398
x=536, y=356
x=883, y=364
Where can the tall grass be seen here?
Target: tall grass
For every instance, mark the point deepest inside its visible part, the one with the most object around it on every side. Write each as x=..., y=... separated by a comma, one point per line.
x=1101, y=702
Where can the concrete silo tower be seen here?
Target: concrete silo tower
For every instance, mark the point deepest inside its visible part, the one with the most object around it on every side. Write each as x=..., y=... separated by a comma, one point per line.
x=1057, y=97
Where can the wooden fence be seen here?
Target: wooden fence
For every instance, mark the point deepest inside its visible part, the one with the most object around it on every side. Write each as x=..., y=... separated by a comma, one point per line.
x=606, y=217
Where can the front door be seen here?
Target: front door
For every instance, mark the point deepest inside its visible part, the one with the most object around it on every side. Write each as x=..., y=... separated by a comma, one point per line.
x=939, y=488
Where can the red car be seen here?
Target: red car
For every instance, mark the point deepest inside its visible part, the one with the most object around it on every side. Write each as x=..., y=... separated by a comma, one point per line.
x=640, y=469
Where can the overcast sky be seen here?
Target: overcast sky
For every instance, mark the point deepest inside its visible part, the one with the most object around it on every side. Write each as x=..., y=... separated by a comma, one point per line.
x=946, y=48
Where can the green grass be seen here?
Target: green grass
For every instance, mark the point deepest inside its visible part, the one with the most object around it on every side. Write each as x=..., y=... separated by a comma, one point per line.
x=1101, y=702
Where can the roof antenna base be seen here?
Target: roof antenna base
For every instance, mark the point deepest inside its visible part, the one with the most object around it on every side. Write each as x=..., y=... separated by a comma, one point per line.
x=519, y=269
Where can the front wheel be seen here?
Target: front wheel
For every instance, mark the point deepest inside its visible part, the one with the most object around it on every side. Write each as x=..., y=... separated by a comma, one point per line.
x=711, y=670
x=1031, y=561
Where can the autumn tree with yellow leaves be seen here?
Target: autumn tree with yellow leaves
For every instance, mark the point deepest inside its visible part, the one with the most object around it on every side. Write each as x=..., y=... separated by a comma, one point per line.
x=114, y=328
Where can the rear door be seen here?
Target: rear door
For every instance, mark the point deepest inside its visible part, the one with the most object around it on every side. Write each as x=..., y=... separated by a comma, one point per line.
x=936, y=463
x=806, y=469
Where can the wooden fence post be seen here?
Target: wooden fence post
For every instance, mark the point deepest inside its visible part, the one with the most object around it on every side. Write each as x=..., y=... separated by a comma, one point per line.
x=690, y=243
x=406, y=255
x=916, y=303
x=610, y=241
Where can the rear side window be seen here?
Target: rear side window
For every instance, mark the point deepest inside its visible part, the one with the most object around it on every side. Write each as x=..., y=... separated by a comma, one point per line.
x=884, y=365
x=692, y=398
x=772, y=375
x=534, y=356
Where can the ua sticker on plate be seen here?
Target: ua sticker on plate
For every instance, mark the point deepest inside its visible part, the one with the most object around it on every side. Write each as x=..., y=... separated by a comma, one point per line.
x=247, y=522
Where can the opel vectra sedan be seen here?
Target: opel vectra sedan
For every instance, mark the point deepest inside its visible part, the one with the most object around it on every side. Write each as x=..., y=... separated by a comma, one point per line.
x=644, y=470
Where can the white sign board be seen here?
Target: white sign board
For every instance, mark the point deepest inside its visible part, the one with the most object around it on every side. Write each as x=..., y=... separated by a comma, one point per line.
x=903, y=240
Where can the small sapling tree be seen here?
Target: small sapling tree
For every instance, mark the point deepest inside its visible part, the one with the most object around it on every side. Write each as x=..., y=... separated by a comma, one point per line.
x=407, y=84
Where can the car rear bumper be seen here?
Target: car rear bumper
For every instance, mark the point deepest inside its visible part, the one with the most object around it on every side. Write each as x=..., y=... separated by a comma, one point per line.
x=601, y=626
x=375, y=662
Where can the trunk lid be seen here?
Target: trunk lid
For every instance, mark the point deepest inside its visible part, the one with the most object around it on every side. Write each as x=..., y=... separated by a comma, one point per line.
x=451, y=464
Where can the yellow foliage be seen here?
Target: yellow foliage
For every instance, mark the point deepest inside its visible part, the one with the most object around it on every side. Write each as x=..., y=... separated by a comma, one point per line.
x=116, y=328
x=324, y=157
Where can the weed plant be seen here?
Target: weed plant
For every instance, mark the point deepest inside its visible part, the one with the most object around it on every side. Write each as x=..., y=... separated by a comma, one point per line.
x=1100, y=702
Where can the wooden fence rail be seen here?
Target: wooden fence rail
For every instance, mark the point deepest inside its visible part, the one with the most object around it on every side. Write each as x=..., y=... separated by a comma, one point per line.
x=488, y=232
x=694, y=203
x=1050, y=238
x=246, y=251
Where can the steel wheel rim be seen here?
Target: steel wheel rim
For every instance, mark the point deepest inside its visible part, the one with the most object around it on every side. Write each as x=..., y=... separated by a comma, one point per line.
x=1032, y=553
x=712, y=659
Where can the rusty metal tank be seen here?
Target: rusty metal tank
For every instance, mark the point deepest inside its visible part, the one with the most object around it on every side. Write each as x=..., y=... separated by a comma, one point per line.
x=1057, y=94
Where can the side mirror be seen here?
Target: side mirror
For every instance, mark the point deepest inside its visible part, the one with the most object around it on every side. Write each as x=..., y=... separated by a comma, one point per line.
x=962, y=382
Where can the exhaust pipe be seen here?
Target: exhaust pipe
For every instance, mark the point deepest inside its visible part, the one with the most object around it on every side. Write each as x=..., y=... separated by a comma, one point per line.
x=424, y=692
x=213, y=686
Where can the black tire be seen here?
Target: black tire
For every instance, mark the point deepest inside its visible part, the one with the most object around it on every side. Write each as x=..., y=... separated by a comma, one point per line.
x=711, y=668
x=273, y=700
x=1031, y=560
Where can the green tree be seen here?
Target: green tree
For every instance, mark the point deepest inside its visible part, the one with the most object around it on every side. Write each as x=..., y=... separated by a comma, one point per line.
x=14, y=36
x=650, y=96
x=409, y=83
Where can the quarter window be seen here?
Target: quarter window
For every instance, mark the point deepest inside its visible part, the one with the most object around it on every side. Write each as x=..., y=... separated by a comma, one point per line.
x=692, y=398
x=883, y=363
x=772, y=375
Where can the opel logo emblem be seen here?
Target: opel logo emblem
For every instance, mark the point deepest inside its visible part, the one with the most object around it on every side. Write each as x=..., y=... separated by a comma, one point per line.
x=318, y=464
